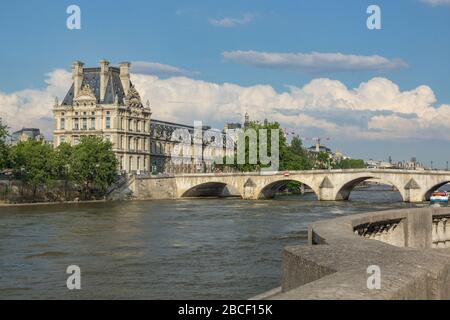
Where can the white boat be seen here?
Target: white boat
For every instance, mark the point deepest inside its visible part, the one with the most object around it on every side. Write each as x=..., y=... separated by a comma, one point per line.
x=439, y=197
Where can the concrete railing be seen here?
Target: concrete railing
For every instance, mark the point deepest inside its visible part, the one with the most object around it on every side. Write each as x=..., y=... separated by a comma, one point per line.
x=409, y=247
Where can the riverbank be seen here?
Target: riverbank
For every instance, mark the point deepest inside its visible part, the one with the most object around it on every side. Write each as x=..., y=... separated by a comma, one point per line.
x=29, y=204
x=411, y=247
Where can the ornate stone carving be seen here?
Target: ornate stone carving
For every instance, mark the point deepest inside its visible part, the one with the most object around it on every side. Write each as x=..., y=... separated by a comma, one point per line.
x=133, y=99
x=86, y=94
x=87, y=91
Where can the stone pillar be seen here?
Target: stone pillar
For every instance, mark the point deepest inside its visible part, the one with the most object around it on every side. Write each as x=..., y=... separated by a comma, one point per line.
x=77, y=77
x=413, y=192
x=125, y=76
x=419, y=230
x=104, y=71
x=326, y=190
x=250, y=192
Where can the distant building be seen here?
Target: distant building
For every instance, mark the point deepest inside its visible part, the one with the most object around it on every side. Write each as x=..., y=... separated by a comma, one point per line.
x=410, y=165
x=231, y=126
x=377, y=164
x=318, y=148
x=26, y=134
x=103, y=102
x=162, y=149
x=403, y=165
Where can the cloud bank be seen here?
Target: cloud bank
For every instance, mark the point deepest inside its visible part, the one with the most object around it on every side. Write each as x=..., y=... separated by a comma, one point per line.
x=33, y=108
x=436, y=3
x=159, y=69
x=314, y=62
x=230, y=22
x=375, y=110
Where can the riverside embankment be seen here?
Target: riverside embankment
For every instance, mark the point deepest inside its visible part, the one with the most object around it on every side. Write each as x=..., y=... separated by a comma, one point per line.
x=408, y=249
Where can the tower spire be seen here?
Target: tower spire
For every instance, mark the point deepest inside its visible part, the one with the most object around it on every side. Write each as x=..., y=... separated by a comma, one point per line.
x=247, y=118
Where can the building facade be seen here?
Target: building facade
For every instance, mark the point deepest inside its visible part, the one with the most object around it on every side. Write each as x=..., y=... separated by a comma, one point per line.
x=172, y=155
x=103, y=102
x=26, y=134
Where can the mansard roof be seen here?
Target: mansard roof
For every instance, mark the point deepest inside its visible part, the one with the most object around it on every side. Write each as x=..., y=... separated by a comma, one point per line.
x=91, y=76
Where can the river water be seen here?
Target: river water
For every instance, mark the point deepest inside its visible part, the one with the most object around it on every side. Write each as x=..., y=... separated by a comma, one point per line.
x=185, y=249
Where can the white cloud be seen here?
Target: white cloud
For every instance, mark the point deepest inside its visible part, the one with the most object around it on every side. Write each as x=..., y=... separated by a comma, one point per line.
x=230, y=22
x=376, y=109
x=435, y=3
x=314, y=62
x=33, y=108
x=159, y=69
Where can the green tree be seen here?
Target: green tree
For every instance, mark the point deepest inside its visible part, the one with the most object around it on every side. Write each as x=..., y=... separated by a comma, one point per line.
x=250, y=165
x=4, y=148
x=350, y=164
x=63, y=164
x=32, y=163
x=93, y=165
x=296, y=157
x=323, y=161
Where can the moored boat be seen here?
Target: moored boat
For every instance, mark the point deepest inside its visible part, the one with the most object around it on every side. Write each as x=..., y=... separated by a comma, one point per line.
x=439, y=197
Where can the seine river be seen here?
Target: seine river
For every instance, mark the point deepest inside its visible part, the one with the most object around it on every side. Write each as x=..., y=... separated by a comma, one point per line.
x=185, y=249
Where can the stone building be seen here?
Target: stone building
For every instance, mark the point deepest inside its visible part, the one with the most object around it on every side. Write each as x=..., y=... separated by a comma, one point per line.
x=197, y=156
x=26, y=134
x=103, y=102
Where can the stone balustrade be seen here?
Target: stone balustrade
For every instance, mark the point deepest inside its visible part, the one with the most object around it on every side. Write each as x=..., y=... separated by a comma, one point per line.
x=391, y=232
x=441, y=232
x=410, y=247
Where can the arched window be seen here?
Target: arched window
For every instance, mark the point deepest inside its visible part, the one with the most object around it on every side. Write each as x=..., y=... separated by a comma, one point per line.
x=130, y=164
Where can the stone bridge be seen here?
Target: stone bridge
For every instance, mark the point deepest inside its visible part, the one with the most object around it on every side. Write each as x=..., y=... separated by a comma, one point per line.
x=328, y=185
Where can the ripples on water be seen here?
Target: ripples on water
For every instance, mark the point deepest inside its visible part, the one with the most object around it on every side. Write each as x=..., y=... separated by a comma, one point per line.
x=185, y=249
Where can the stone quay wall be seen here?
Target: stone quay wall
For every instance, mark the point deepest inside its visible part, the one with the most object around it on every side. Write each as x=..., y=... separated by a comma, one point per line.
x=13, y=191
x=410, y=248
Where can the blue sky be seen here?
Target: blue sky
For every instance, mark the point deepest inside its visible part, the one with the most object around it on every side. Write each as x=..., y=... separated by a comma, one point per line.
x=194, y=36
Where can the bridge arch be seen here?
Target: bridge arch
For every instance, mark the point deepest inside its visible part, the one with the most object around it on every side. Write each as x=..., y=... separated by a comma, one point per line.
x=345, y=190
x=430, y=190
x=269, y=191
x=211, y=189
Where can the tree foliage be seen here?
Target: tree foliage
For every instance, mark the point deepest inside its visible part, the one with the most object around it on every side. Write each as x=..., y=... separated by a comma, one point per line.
x=32, y=163
x=90, y=166
x=296, y=157
x=94, y=165
x=4, y=148
x=257, y=164
x=350, y=164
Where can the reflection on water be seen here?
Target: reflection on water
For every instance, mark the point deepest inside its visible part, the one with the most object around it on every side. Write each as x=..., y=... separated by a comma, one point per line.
x=185, y=249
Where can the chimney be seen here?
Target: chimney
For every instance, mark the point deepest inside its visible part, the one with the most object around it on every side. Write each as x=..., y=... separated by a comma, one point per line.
x=104, y=72
x=125, y=76
x=77, y=76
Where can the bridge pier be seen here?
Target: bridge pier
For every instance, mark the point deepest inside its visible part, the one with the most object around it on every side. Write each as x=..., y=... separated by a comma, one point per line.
x=413, y=196
x=326, y=191
x=413, y=192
